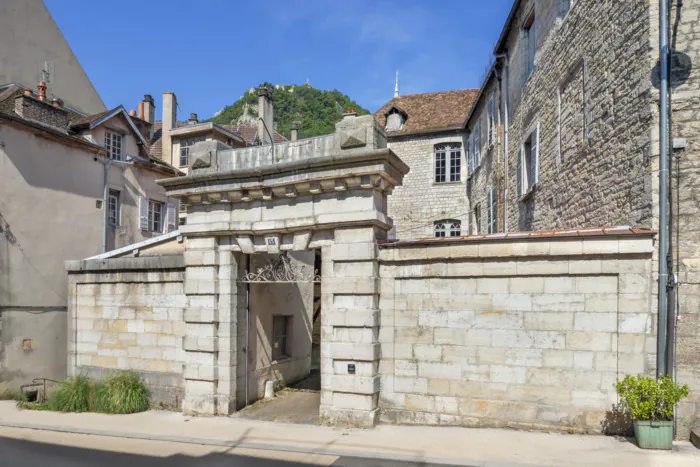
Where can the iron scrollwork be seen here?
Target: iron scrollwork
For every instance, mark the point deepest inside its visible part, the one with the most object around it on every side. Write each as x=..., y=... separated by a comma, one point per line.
x=282, y=270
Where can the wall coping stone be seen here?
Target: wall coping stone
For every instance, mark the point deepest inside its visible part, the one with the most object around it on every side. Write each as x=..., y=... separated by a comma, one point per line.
x=126, y=264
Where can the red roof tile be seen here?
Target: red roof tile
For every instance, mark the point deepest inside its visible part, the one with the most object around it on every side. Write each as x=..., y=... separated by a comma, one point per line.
x=430, y=112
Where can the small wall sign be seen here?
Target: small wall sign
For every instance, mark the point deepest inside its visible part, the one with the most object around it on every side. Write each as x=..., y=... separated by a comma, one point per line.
x=351, y=368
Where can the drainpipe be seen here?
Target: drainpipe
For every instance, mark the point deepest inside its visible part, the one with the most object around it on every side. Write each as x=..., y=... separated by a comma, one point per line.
x=504, y=94
x=663, y=188
x=107, y=165
x=272, y=139
x=247, y=326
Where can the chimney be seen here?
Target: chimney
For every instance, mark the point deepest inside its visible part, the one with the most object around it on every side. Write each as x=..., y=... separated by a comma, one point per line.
x=51, y=114
x=294, y=132
x=193, y=119
x=149, y=108
x=58, y=103
x=140, y=112
x=132, y=113
x=265, y=116
x=42, y=91
x=169, y=120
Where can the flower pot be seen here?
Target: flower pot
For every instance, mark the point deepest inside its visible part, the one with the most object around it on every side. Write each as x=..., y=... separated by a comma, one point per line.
x=654, y=434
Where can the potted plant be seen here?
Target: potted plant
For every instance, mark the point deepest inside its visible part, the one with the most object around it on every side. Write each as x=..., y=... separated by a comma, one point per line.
x=650, y=403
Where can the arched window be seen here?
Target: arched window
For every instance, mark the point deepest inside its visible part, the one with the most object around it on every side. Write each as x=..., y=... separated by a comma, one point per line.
x=448, y=162
x=447, y=228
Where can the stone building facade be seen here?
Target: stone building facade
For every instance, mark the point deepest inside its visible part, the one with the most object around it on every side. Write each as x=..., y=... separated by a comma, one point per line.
x=427, y=132
x=576, y=85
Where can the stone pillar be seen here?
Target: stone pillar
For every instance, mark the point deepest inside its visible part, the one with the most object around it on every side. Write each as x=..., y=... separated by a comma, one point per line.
x=350, y=327
x=210, y=320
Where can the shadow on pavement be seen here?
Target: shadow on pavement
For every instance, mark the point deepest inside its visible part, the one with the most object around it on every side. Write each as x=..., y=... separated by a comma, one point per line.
x=23, y=453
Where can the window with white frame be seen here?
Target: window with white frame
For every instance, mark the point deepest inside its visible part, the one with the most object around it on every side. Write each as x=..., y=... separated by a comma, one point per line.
x=113, y=143
x=474, y=148
x=185, y=145
x=530, y=38
x=448, y=162
x=491, y=119
x=447, y=228
x=528, y=162
x=113, y=206
x=155, y=216
x=492, y=210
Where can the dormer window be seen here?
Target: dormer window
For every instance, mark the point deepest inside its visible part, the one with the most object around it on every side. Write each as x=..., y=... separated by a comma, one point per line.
x=113, y=143
x=395, y=118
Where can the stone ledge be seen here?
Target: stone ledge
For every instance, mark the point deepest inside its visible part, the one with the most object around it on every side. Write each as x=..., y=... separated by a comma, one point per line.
x=126, y=264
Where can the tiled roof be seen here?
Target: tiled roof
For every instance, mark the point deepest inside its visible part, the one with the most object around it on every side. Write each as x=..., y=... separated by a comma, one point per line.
x=543, y=234
x=79, y=122
x=430, y=112
x=247, y=132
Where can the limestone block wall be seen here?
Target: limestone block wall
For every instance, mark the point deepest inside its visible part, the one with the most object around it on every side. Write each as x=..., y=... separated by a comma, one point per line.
x=420, y=201
x=127, y=314
x=514, y=333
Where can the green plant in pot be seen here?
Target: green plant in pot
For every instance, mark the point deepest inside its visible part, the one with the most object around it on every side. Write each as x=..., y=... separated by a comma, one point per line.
x=650, y=403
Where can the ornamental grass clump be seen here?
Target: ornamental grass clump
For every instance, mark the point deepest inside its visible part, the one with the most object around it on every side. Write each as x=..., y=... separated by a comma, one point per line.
x=121, y=393
x=648, y=399
x=72, y=395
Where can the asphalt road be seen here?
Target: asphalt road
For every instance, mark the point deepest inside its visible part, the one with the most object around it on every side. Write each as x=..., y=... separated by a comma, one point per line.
x=32, y=448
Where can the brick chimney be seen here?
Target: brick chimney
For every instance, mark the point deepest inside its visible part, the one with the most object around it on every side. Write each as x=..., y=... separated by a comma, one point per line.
x=169, y=121
x=265, y=112
x=38, y=109
x=149, y=108
x=193, y=119
x=294, y=132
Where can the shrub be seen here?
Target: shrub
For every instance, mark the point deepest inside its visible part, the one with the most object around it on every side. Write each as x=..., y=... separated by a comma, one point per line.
x=648, y=399
x=121, y=393
x=11, y=395
x=72, y=395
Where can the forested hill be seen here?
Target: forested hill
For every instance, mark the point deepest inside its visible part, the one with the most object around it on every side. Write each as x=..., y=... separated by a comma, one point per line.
x=315, y=112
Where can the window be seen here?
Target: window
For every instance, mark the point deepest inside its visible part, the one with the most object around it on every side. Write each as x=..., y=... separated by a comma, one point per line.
x=475, y=148
x=394, y=120
x=280, y=328
x=447, y=227
x=155, y=216
x=185, y=145
x=530, y=45
x=113, y=143
x=476, y=220
x=448, y=163
x=492, y=210
x=113, y=208
x=491, y=118
x=528, y=163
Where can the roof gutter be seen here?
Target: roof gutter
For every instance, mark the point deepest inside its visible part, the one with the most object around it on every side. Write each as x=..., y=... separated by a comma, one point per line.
x=500, y=45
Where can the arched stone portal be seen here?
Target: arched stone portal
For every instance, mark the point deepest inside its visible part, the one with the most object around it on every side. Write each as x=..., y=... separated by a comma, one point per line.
x=328, y=193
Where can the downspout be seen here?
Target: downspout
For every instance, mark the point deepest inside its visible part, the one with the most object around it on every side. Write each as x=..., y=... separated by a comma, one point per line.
x=247, y=327
x=272, y=139
x=107, y=165
x=504, y=94
x=663, y=189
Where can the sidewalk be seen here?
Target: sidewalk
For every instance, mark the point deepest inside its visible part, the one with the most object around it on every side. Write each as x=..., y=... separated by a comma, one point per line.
x=460, y=446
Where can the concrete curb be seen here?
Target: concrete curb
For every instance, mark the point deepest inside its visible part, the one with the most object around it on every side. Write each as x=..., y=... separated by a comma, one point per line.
x=262, y=446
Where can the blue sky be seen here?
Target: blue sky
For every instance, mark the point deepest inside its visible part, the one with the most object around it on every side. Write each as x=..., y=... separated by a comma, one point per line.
x=210, y=51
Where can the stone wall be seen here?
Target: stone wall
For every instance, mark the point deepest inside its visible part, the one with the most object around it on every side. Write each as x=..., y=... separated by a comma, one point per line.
x=127, y=314
x=514, y=333
x=420, y=201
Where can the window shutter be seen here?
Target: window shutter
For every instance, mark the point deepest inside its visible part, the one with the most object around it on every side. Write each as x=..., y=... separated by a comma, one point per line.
x=519, y=171
x=143, y=213
x=172, y=217
x=536, y=150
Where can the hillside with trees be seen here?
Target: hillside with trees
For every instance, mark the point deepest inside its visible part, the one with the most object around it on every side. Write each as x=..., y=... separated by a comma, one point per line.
x=314, y=111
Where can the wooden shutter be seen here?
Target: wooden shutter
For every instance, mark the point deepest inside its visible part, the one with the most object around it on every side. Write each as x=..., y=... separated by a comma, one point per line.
x=172, y=217
x=143, y=213
x=519, y=171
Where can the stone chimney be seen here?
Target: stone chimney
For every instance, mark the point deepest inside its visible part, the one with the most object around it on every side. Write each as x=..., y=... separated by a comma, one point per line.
x=193, y=119
x=294, y=130
x=38, y=109
x=169, y=121
x=265, y=114
x=149, y=108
